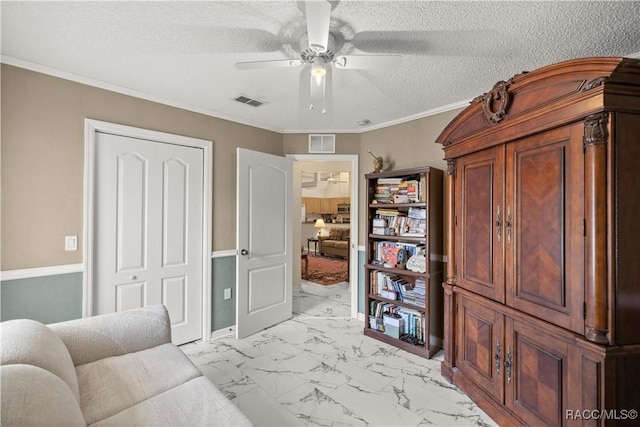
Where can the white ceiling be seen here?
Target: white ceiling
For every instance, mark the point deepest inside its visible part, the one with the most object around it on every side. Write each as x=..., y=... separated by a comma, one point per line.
x=183, y=53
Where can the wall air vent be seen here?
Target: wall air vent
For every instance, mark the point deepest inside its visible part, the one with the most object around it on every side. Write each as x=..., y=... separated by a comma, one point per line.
x=249, y=101
x=322, y=143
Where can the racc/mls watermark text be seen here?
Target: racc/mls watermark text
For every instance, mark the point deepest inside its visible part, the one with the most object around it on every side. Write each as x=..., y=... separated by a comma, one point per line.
x=601, y=414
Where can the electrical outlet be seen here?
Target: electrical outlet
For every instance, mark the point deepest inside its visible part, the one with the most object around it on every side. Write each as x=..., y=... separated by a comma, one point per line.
x=70, y=243
x=227, y=293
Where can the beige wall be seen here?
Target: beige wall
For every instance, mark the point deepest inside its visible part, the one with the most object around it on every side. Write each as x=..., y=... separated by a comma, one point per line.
x=43, y=165
x=42, y=139
x=405, y=145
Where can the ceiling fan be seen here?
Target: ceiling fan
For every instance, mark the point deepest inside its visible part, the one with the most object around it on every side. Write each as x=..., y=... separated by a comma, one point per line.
x=330, y=178
x=318, y=49
x=333, y=180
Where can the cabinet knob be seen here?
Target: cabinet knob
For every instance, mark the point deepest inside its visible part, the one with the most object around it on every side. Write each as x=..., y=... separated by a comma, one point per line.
x=497, y=358
x=133, y=277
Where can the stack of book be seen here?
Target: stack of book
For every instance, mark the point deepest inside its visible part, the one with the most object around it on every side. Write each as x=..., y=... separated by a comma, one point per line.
x=386, y=188
x=406, y=190
x=417, y=294
x=416, y=223
x=412, y=189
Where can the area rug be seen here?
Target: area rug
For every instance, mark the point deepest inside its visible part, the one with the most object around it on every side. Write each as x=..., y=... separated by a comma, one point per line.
x=326, y=271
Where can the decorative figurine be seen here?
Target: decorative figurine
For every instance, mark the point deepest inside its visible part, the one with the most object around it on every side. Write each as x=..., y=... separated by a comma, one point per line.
x=377, y=162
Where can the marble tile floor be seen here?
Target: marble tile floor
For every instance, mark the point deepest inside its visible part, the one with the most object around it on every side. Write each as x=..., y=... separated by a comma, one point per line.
x=318, y=369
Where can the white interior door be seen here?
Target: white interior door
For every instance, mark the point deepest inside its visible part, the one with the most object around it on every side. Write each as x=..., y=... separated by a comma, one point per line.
x=148, y=226
x=264, y=241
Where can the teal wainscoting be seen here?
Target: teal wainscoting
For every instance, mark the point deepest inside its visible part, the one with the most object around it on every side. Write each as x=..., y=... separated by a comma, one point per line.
x=223, y=275
x=58, y=298
x=46, y=299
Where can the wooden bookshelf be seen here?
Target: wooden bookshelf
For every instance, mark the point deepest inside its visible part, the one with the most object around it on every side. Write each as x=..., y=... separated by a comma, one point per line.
x=404, y=307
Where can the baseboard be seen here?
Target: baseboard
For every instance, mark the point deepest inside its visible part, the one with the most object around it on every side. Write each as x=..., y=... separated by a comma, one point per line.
x=229, y=331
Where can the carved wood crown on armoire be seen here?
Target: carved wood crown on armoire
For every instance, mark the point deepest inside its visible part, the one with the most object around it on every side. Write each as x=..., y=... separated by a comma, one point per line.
x=542, y=291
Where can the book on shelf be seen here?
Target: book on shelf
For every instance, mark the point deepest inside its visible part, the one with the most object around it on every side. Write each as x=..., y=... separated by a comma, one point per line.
x=405, y=323
x=394, y=287
x=383, y=252
x=386, y=189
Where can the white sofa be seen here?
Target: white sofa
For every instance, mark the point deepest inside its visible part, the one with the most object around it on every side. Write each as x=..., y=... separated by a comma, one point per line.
x=112, y=370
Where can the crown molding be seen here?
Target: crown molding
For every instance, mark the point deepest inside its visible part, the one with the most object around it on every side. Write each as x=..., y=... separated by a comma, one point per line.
x=43, y=69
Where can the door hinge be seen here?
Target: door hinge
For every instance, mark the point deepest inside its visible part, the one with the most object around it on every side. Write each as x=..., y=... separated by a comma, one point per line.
x=584, y=227
x=584, y=309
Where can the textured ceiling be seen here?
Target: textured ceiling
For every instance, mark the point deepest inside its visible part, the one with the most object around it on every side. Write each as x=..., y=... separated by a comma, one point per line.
x=183, y=53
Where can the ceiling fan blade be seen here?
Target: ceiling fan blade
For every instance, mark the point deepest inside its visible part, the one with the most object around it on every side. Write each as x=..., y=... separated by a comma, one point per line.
x=318, y=21
x=367, y=62
x=431, y=42
x=277, y=63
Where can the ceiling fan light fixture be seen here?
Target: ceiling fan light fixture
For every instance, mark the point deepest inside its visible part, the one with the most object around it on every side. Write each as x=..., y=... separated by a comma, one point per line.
x=318, y=72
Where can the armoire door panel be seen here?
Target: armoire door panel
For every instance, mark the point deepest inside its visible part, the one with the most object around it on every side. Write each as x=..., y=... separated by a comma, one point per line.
x=545, y=243
x=540, y=224
x=479, y=342
x=479, y=228
x=536, y=388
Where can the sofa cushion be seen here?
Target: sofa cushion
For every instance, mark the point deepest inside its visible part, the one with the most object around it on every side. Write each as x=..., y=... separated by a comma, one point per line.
x=341, y=244
x=114, y=334
x=33, y=396
x=335, y=233
x=109, y=386
x=196, y=403
x=28, y=342
x=346, y=234
x=328, y=244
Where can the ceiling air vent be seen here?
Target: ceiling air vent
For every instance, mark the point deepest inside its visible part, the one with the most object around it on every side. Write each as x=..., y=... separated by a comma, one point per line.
x=249, y=101
x=322, y=143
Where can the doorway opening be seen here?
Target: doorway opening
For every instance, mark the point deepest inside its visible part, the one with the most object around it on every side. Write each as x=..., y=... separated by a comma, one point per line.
x=325, y=231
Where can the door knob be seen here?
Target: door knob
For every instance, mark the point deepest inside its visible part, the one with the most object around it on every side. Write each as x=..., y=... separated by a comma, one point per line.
x=244, y=252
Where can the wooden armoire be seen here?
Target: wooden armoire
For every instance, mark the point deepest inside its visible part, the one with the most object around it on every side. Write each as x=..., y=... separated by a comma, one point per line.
x=542, y=291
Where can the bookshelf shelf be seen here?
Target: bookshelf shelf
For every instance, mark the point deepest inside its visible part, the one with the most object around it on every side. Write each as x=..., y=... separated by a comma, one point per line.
x=411, y=348
x=397, y=205
x=396, y=238
x=394, y=270
x=400, y=303
x=400, y=269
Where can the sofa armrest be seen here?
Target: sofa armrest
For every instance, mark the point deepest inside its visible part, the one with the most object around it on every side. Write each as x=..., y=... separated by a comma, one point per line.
x=321, y=239
x=94, y=338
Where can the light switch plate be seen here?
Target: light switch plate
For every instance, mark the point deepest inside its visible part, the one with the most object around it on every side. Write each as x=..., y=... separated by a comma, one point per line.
x=227, y=293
